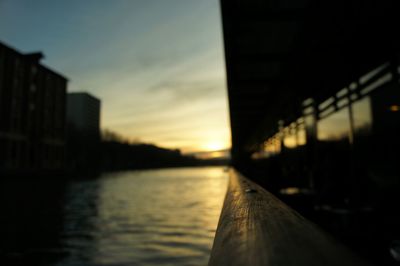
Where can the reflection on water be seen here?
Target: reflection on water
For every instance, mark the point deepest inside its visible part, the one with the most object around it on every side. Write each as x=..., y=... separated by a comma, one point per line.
x=157, y=217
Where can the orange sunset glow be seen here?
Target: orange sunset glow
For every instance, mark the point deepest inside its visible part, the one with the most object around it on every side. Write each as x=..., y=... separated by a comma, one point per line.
x=157, y=81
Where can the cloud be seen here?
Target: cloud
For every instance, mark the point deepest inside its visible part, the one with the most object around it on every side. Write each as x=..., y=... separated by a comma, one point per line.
x=157, y=65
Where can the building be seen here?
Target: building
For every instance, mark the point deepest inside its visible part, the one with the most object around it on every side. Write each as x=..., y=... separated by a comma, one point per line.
x=83, y=112
x=83, y=129
x=32, y=113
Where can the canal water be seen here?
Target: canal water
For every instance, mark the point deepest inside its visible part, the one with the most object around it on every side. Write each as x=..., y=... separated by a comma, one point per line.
x=152, y=217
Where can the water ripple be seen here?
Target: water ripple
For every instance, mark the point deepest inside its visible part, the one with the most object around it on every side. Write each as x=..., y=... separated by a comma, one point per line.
x=160, y=217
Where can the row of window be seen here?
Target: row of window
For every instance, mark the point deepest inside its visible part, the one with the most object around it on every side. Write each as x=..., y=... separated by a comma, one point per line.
x=339, y=118
x=16, y=154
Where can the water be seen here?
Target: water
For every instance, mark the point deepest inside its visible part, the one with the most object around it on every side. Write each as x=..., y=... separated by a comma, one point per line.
x=154, y=217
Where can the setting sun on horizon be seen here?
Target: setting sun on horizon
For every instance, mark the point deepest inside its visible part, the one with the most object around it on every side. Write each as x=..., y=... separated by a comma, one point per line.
x=158, y=68
x=215, y=145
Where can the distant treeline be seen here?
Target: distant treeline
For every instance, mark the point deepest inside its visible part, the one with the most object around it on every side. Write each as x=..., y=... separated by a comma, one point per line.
x=117, y=155
x=111, y=152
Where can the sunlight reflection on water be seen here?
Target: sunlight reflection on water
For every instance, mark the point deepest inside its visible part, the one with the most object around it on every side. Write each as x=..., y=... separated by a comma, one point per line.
x=155, y=217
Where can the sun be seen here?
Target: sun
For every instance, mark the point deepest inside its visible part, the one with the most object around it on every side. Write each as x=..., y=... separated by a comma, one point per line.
x=214, y=145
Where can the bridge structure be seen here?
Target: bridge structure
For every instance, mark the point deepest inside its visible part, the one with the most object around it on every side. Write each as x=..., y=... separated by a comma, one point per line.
x=314, y=102
x=280, y=53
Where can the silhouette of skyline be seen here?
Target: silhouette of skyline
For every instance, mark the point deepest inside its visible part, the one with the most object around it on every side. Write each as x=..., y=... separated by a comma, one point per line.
x=157, y=66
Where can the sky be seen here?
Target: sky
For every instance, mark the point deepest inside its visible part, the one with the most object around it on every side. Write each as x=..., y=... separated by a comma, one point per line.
x=157, y=65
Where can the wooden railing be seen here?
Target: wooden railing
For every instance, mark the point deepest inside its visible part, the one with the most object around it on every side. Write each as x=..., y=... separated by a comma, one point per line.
x=256, y=228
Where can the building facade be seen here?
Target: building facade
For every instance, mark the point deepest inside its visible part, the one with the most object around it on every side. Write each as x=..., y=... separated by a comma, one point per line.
x=83, y=112
x=83, y=129
x=32, y=113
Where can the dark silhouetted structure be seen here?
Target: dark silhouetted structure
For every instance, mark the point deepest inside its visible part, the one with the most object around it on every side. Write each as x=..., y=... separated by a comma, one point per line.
x=314, y=102
x=83, y=113
x=32, y=114
x=83, y=122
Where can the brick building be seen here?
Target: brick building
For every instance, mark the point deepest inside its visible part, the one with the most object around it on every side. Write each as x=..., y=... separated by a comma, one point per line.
x=32, y=113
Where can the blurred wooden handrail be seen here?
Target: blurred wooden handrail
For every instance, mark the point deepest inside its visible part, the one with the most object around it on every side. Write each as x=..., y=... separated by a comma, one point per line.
x=256, y=228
